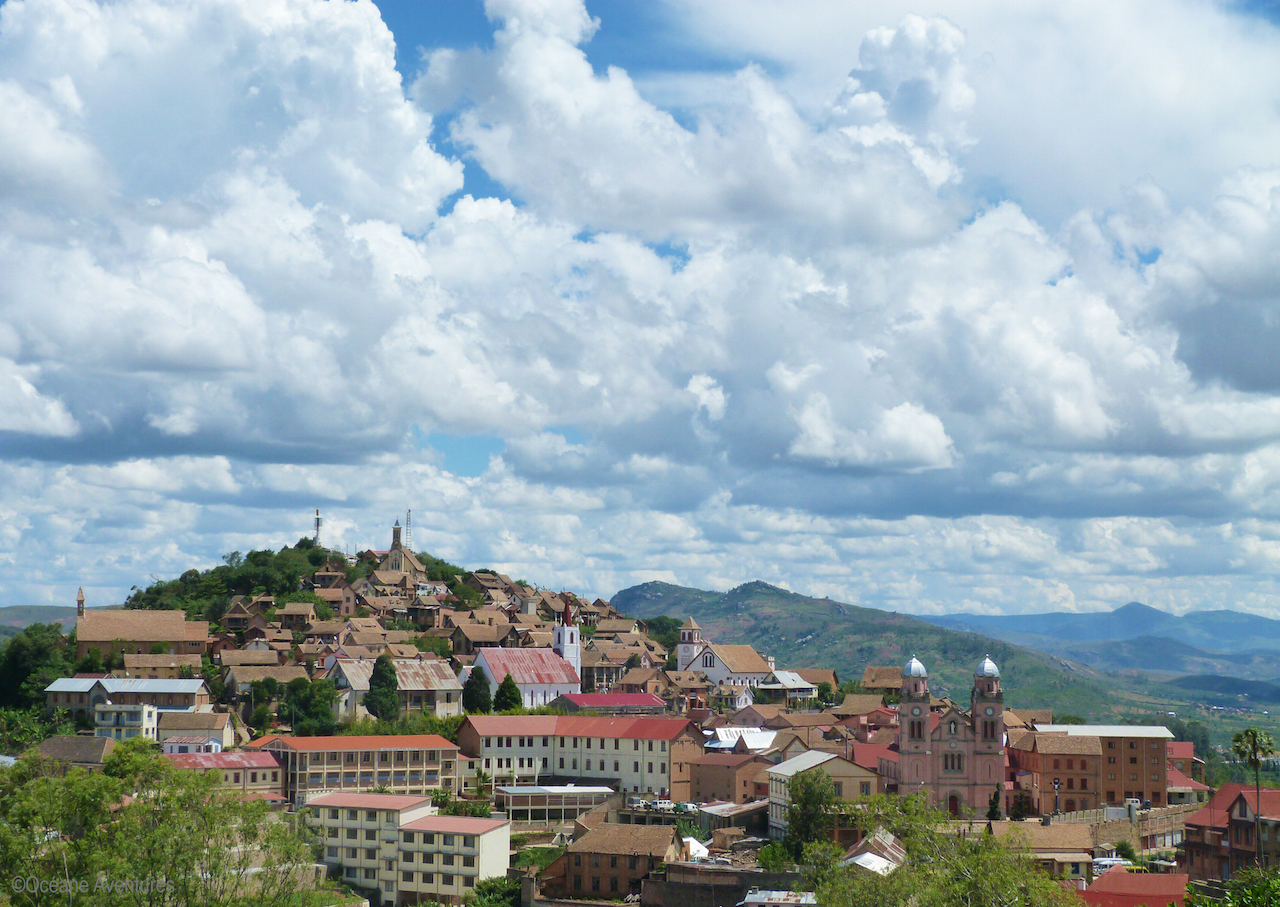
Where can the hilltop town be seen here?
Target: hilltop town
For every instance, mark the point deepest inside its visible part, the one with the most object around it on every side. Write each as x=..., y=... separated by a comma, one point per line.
x=444, y=729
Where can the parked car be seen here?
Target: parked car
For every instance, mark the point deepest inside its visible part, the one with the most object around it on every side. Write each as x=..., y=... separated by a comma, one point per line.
x=663, y=804
x=687, y=808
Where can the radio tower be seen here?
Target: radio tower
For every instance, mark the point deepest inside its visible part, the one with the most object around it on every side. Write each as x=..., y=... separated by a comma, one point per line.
x=408, y=529
x=318, y=522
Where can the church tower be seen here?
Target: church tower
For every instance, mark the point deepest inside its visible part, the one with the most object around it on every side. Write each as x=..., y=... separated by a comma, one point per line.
x=565, y=640
x=80, y=602
x=691, y=643
x=986, y=712
x=914, y=752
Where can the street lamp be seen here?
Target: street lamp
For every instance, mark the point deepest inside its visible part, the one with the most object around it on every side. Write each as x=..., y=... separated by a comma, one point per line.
x=1056, y=784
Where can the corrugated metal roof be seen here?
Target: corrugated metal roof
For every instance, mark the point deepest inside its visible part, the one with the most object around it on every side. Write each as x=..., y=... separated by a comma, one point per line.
x=206, y=761
x=124, y=685
x=802, y=763
x=411, y=674
x=528, y=666
x=1107, y=730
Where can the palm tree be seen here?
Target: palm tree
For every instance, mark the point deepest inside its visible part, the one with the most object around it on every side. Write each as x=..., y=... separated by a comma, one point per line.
x=1251, y=746
x=482, y=782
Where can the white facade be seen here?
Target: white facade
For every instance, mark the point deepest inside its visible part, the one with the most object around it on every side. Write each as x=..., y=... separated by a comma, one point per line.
x=566, y=641
x=539, y=684
x=401, y=847
x=124, y=722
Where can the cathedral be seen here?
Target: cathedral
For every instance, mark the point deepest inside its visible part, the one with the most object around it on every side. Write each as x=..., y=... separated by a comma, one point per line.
x=956, y=757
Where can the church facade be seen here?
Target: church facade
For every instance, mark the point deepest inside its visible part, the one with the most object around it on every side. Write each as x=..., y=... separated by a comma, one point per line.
x=954, y=757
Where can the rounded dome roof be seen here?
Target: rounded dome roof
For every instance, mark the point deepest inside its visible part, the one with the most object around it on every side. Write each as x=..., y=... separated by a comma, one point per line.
x=987, y=668
x=914, y=668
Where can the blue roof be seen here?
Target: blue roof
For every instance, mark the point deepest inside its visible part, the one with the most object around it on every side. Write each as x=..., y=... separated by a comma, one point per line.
x=112, y=685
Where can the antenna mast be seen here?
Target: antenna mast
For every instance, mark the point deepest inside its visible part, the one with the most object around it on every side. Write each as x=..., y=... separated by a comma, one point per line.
x=408, y=529
x=318, y=522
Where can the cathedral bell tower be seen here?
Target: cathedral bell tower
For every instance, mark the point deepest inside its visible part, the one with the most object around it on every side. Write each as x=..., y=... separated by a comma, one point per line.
x=691, y=643
x=565, y=640
x=914, y=770
x=986, y=712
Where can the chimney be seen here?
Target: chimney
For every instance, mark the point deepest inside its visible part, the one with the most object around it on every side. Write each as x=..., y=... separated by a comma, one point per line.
x=769, y=660
x=80, y=602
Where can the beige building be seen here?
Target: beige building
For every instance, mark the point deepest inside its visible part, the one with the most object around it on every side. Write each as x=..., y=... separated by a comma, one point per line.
x=423, y=685
x=852, y=782
x=140, y=633
x=414, y=764
x=725, y=776
x=399, y=845
x=610, y=860
x=1134, y=760
x=252, y=773
x=209, y=725
x=161, y=667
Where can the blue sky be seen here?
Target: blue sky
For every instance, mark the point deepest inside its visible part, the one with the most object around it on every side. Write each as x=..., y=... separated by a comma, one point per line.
x=969, y=306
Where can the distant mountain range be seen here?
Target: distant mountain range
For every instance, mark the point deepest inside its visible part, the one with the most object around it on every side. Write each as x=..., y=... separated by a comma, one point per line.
x=1138, y=637
x=800, y=631
x=19, y=616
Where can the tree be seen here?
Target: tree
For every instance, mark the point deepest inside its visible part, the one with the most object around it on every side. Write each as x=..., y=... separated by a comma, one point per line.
x=482, y=781
x=993, y=806
x=1251, y=746
x=383, y=698
x=811, y=809
x=31, y=661
x=774, y=857
x=475, y=693
x=508, y=698
x=759, y=696
x=826, y=693
x=943, y=869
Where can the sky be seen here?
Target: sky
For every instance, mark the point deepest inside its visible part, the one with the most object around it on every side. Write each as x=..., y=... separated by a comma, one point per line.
x=927, y=307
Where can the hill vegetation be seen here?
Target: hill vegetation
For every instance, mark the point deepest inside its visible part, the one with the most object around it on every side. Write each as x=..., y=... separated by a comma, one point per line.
x=800, y=631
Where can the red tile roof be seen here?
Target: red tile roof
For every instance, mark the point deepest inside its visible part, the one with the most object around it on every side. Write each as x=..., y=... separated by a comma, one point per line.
x=1120, y=888
x=613, y=700
x=454, y=825
x=369, y=801
x=1180, y=749
x=1178, y=780
x=206, y=761
x=370, y=742
x=528, y=665
x=644, y=728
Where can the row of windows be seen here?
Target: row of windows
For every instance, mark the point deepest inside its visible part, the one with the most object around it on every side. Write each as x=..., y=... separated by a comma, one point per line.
x=573, y=765
x=385, y=757
x=446, y=859
x=234, y=777
x=595, y=883
x=505, y=743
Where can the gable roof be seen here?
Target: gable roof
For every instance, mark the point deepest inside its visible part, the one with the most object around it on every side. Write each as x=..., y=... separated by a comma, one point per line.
x=107, y=625
x=858, y=704
x=882, y=677
x=77, y=749
x=1117, y=887
x=608, y=837
x=161, y=661
x=171, y=720
x=208, y=761
x=740, y=659
x=802, y=763
x=528, y=666
x=1067, y=745
x=411, y=674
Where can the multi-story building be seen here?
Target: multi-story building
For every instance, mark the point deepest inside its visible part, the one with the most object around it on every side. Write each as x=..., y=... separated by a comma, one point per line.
x=398, y=845
x=405, y=764
x=649, y=754
x=161, y=667
x=423, y=685
x=725, y=776
x=731, y=665
x=852, y=782
x=541, y=675
x=1220, y=838
x=1039, y=759
x=1134, y=760
x=124, y=722
x=116, y=632
x=610, y=860
x=251, y=773
x=81, y=696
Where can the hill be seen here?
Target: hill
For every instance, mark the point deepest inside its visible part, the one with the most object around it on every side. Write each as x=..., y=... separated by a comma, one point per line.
x=19, y=616
x=1210, y=631
x=800, y=631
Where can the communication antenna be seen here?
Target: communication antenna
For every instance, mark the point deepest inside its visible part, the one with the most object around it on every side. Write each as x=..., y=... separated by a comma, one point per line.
x=408, y=529
x=318, y=523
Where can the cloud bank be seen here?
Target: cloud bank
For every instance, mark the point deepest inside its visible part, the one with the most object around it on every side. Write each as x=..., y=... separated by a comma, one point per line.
x=871, y=344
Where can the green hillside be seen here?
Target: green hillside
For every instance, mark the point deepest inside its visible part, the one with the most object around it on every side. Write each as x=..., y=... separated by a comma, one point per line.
x=802, y=632
x=19, y=616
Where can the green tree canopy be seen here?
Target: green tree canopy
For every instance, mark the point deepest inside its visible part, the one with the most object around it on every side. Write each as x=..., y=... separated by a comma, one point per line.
x=32, y=660
x=476, y=698
x=811, y=810
x=507, y=698
x=383, y=698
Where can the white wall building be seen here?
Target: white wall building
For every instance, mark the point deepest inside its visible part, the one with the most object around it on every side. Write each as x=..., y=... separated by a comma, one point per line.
x=541, y=674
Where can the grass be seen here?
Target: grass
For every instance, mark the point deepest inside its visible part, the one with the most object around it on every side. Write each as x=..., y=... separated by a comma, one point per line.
x=539, y=856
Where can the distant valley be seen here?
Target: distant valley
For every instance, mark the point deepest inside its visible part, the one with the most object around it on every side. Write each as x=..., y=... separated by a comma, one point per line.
x=1136, y=637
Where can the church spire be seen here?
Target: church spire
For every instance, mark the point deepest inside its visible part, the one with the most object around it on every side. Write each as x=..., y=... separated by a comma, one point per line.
x=80, y=602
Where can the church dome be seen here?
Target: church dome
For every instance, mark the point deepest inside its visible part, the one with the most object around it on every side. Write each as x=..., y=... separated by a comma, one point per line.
x=914, y=668
x=987, y=668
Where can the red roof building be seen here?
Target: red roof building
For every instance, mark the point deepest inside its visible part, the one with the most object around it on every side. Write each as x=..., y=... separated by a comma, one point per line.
x=1118, y=887
x=541, y=674
x=612, y=703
